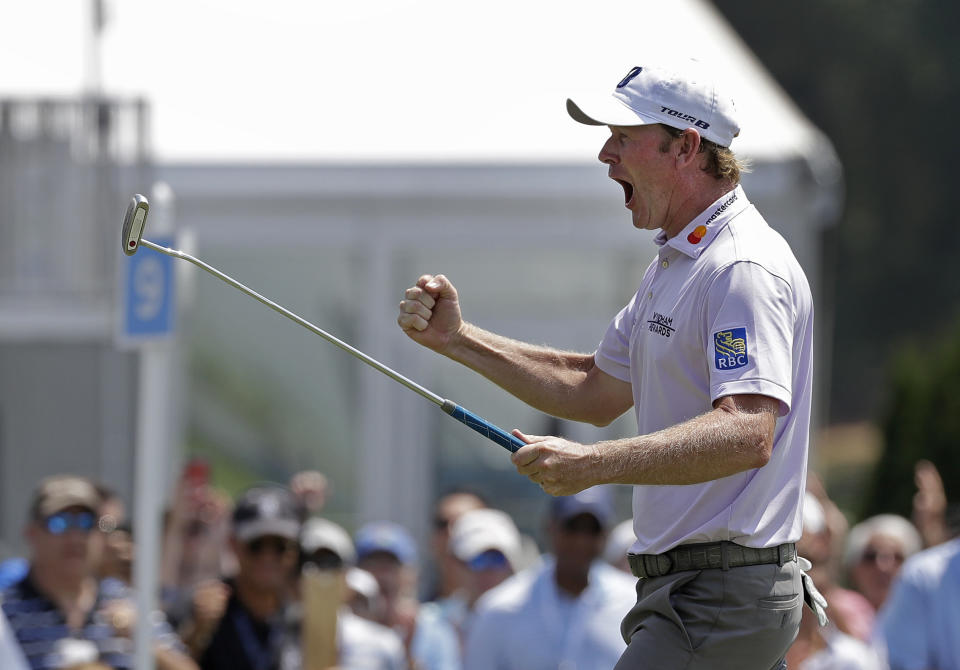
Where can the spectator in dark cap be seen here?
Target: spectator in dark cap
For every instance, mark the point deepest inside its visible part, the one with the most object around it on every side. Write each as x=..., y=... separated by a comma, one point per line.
x=243, y=623
x=387, y=551
x=60, y=612
x=564, y=612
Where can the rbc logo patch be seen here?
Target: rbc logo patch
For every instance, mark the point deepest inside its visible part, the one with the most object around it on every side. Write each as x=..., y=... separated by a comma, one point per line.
x=730, y=348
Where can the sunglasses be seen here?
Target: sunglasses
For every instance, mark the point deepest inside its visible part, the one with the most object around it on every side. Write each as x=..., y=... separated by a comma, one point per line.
x=61, y=522
x=874, y=557
x=582, y=524
x=276, y=545
x=324, y=559
x=488, y=560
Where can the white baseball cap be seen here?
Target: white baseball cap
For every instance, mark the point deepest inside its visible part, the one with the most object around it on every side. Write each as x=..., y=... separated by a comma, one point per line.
x=483, y=530
x=320, y=534
x=684, y=95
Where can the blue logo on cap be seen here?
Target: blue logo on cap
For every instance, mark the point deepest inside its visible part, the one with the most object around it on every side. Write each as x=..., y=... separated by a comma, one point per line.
x=630, y=75
x=730, y=348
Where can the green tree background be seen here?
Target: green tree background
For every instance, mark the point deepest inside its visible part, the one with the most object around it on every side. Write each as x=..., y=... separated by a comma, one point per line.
x=882, y=80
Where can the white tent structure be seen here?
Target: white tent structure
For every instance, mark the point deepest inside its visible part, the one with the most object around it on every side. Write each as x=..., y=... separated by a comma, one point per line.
x=426, y=142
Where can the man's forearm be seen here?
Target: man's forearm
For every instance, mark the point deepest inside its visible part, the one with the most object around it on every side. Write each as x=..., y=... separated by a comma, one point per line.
x=711, y=446
x=544, y=378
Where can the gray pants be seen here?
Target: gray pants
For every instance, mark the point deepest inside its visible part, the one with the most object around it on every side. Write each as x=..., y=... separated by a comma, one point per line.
x=738, y=619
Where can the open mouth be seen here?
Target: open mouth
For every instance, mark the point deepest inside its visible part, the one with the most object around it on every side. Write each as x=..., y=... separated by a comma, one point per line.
x=627, y=191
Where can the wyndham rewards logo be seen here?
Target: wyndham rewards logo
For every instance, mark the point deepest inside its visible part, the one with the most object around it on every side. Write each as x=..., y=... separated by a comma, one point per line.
x=730, y=348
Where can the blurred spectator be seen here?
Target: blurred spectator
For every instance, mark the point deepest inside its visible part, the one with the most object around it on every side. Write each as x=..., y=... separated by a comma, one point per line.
x=113, y=512
x=118, y=554
x=196, y=546
x=621, y=539
x=448, y=572
x=920, y=622
x=816, y=647
x=363, y=595
x=311, y=488
x=326, y=545
x=564, y=613
x=849, y=611
x=487, y=545
x=836, y=528
x=117, y=562
x=930, y=504
x=387, y=551
x=876, y=550
x=361, y=643
x=244, y=623
x=60, y=613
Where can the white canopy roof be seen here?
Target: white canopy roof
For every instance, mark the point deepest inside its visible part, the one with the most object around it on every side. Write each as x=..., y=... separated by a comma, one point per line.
x=405, y=80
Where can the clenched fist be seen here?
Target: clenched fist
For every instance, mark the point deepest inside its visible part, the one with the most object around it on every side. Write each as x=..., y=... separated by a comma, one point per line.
x=430, y=313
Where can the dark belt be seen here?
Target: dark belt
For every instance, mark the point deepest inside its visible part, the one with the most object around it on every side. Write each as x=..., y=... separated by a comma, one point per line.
x=708, y=555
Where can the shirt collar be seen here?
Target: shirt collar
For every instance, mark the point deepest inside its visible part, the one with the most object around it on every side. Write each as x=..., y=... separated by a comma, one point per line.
x=699, y=233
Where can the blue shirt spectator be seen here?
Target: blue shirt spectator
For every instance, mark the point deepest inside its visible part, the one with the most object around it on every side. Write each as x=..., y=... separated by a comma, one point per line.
x=565, y=613
x=530, y=623
x=920, y=622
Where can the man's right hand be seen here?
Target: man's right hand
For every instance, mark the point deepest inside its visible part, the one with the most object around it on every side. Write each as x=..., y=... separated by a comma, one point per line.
x=430, y=313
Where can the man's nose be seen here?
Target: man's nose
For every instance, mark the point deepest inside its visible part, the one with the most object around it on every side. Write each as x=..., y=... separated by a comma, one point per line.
x=607, y=154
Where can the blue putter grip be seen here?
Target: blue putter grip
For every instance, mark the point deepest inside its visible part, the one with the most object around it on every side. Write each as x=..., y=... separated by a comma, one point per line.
x=482, y=426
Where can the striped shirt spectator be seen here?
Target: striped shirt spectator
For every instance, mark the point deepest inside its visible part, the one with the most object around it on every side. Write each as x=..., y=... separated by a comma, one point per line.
x=47, y=641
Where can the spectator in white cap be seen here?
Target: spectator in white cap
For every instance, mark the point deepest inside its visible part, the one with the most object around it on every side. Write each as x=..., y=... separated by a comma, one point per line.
x=447, y=572
x=876, y=550
x=361, y=643
x=713, y=352
x=564, y=612
x=487, y=545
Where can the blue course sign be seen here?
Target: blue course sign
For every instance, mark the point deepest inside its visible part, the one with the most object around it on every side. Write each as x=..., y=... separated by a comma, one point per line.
x=148, y=294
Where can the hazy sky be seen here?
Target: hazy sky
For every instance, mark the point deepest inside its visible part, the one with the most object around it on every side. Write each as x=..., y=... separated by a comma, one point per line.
x=348, y=80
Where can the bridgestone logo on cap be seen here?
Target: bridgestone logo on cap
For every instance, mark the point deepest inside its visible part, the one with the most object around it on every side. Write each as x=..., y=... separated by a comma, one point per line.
x=685, y=117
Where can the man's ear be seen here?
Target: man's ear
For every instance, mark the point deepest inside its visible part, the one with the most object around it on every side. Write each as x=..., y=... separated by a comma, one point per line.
x=688, y=147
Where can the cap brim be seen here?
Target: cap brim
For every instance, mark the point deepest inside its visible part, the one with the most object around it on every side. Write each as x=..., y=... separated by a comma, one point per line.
x=261, y=528
x=605, y=111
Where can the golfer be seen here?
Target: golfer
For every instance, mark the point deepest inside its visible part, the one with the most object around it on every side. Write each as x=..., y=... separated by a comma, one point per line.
x=713, y=352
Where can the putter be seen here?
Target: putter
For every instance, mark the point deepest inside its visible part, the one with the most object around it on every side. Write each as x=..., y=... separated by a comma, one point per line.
x=134, y=223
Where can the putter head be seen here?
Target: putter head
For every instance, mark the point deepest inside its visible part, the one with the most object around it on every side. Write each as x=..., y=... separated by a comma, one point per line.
x=133, y=222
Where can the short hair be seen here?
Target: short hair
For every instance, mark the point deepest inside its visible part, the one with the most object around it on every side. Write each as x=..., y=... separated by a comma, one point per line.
x=889, y=525
x=721, y=161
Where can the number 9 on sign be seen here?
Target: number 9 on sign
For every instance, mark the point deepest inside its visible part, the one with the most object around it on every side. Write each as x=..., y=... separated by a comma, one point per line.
x=147, y=295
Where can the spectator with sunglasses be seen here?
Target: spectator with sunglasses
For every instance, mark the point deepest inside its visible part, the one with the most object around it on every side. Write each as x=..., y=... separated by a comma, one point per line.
x=487, y=547
x=876, y=550
x=565, y=612
x=245, y=623
x=60, y=611
x=447, y=571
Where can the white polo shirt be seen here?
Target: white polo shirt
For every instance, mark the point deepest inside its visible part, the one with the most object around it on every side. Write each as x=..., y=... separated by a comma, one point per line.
x=724, y=309
x=527, y=623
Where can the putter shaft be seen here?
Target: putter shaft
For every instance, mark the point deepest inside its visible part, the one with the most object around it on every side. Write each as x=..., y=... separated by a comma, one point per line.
x=372, y=362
